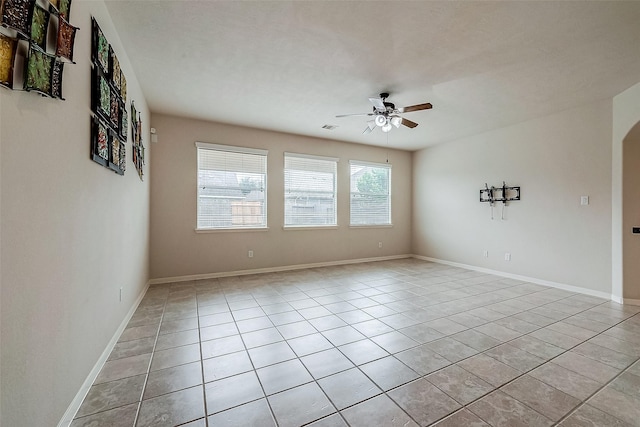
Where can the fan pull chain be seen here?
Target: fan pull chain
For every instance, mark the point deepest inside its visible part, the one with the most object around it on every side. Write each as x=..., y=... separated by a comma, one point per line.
x=387, y=147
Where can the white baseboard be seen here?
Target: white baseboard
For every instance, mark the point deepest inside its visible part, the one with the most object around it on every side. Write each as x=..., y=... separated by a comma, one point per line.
x=537, y=281
x=618, y=299
x=71, y=411
x=272, y=269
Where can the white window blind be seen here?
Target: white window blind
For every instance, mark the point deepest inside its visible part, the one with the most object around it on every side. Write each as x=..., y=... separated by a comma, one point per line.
x=232, y=187
x=370, y=193
x=309, y=190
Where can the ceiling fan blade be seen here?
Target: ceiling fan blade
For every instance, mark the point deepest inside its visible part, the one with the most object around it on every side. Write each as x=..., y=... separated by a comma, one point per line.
x=367, y=130
x=378, y=104
x=357, y=114
x=409, y=123
x=418, y=107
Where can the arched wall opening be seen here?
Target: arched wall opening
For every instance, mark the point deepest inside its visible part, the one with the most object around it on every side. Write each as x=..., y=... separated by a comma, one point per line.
x=631, y=214
x=625, y=275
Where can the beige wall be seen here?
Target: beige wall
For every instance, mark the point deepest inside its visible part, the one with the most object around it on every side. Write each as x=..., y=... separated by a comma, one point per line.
x=177, y=250
x=73, y=233
x=631, y=213
x=550, y=236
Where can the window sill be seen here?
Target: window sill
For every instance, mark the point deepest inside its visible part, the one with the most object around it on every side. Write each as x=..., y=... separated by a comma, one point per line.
x=309, y=227
x=229, y=230
x=372, y=226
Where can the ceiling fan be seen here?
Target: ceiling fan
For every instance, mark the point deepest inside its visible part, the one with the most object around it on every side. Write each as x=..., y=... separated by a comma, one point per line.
x=385, y=114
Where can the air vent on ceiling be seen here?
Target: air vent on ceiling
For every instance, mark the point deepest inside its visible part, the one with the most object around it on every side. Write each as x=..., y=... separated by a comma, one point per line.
x=329, y=127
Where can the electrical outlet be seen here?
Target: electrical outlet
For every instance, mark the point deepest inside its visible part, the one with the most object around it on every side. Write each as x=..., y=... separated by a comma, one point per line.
x=485, y=253
x=250, y=254
x=507, y=256
x=584, y=200
x=380, y=244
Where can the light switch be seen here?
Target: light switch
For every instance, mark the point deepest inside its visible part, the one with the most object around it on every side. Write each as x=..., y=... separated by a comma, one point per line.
x=584, y=200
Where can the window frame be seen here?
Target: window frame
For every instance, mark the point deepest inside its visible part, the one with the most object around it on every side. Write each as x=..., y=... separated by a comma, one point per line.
x=367, y=164
x=239, y=150
x=310, y=226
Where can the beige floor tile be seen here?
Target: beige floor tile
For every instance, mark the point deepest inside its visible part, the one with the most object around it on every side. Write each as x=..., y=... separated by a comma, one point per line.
x=566, y=380
x=514, y=357
x=125, y=367
x=461, y=385
x=424, y=402
x=173, y=379
x=177, y=339
x=377, y=411
x=585, y=366
x=388, y=372
x=175, y=356
x=451, y=349
x=422, y=360
x=123, y=416
x=253, y=414
x=618, y=404
x=627, y=383
x=588, y=416
x=604, y=355
x=110, y=395
x=300, y=405
x=461, y=418
x=233, y=391
x=225, y=366
x=537, y=347
x=489, y=369
x=348, y=388
x=282, y=376
x=172, y=409
x=548, y=401
x=334, y=420
x=132, y=348
x=499, y=409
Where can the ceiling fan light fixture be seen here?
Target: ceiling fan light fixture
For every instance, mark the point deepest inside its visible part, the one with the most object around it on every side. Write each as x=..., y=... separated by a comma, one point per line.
x=386, y=127
x=396, y=121
x=380, y=120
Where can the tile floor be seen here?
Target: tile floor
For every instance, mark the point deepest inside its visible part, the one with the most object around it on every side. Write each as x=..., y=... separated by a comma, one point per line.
x=393, y=343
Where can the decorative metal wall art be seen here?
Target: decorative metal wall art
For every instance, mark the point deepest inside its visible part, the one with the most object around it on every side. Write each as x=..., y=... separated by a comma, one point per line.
x=123, y=86
x=100, y=142
x=64, y=8
x=136, y=141
x=39, y=70
x=8, y=47
x=66, y=39
x=16, y=14
x=108, y=103
x=25, y=34
x=99, y=47
x=39, y=27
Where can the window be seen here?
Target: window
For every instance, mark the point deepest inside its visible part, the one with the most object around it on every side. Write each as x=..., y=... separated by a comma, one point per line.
x=309, y=190
x=370, y=193
x=232, y=187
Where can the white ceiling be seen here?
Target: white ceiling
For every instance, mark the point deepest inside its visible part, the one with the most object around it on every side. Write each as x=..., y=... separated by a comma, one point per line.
x=292, y=66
